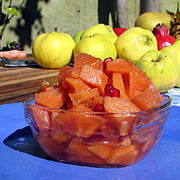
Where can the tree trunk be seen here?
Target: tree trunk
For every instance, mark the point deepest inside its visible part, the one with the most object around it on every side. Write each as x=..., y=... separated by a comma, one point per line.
x=150, y=5
x=120, y=18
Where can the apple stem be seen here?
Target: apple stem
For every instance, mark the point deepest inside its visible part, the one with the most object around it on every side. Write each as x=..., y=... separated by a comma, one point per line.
x=154, y=60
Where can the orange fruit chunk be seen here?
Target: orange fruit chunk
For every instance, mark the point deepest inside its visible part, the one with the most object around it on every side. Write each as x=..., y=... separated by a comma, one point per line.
x=94, y=77
x=138, y=81
x=101, y=150
x=81, y=107
x=146, y=100
x=76, y=85
x=119, y=84
x=119, y=65
x=52, y=98
x=97, y=100
x=124, y=155
x=119, y=105
x=78, y=149
x=81, y=124
x=82, y=59
x=158, y=96
x=41, y=116
x=63, y=74
x=57, y=133
x=83, y=96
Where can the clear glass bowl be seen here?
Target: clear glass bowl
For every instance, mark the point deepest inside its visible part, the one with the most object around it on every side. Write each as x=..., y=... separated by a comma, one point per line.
x=96, y=138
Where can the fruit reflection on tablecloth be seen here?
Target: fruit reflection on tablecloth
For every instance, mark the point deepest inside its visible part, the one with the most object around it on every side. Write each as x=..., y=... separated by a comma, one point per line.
x=175, y=95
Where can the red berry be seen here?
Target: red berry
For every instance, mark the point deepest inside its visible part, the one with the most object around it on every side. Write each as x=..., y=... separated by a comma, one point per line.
x=115, y=93
x=99, y=108
x=106, y=61
x=107, y=89
x=111, y=91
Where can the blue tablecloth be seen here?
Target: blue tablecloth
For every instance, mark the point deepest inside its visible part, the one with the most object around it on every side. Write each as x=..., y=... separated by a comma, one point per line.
x=17, y=162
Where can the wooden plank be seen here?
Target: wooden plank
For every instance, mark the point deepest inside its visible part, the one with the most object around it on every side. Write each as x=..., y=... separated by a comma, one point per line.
x=20, y=83
x=24, y=78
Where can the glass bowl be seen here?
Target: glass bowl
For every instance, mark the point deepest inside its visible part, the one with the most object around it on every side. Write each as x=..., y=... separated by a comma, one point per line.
x=96, y=138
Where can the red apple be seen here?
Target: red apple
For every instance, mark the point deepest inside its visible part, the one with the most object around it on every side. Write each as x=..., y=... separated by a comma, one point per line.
x=119, y=30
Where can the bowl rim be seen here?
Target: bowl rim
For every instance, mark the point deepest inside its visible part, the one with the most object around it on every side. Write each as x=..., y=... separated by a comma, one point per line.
x=164, y=104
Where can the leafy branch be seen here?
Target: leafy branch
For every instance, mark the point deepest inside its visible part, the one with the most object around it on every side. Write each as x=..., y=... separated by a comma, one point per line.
x=7, y=12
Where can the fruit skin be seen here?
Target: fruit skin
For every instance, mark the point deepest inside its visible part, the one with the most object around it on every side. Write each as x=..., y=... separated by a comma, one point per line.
x=119, y=30
x=134, y=43
x=161, y=67
x=97, y=45
x=174, y=50
x=162, y=36
x=149, y=20
x=53, y=50
x=177, y=42
x=78, y=35
x=102, y=29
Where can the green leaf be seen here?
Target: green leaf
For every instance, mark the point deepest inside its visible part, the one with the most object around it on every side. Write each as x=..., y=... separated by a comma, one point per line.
x=7, y=43
x=7, y=0
x=177, y=7
x=170, y=12
x=178, y=16
x=12, y=10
